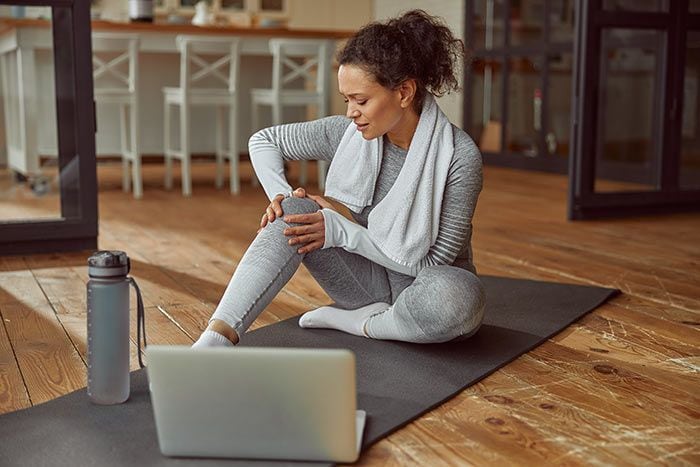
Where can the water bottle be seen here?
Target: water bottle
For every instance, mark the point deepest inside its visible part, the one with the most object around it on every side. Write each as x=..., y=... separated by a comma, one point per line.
x=108, y=326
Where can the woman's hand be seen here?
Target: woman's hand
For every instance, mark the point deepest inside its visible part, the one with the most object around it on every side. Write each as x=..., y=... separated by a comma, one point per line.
x=274, y=210
x=313, y=233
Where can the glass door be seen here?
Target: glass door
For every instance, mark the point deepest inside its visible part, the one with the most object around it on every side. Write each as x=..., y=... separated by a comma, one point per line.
x=517, y=104
x=48, y=191
x=635, y=144
x=630, y=98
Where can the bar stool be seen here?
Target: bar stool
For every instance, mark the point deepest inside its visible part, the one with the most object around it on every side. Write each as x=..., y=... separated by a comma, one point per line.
x=115, y=77
x=294, y=59
x=202, y=59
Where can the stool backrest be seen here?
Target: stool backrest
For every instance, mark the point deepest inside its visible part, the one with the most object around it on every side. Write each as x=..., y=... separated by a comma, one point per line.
x=211, y=60
x=115, y=61
x=300, y=58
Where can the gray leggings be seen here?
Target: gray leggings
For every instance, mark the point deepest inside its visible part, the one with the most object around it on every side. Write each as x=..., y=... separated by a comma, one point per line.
x=442, y=303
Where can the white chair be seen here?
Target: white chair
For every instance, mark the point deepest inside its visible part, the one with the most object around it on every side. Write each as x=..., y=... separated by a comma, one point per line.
x=115, y=77
x=202, y=60
x=295, y=59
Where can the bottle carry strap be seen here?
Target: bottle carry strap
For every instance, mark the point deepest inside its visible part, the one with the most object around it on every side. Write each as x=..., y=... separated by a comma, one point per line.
x=140, y=320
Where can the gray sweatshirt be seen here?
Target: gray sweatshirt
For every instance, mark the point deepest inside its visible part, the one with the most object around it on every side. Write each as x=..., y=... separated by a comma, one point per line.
x=319, y=139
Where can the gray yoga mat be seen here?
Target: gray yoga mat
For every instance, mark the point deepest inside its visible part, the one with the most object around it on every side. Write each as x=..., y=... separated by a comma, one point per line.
x=397, y=382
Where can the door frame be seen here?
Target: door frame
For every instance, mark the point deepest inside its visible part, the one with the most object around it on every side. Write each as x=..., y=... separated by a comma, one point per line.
x=75, y=115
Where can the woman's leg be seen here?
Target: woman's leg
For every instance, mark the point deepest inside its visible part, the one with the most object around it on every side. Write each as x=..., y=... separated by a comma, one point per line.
x=351, y=280
x=265, y=268
x=443, y=303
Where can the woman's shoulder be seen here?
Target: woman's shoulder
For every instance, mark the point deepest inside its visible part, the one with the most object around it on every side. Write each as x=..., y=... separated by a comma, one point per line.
x=333, y=128
x=335, y=123
x=466, y=152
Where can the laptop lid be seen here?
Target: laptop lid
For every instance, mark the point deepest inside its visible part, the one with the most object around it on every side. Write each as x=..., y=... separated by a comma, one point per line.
x=255, y=403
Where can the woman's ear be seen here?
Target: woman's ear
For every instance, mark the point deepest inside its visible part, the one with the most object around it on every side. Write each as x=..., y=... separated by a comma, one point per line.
x=407, y=91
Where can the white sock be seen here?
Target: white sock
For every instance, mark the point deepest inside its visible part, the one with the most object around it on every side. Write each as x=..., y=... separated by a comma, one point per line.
x=212, y=339
x=350, y=321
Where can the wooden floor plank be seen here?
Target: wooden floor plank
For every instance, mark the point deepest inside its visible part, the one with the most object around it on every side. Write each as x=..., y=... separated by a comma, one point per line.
x=624, y=341
x=581, y=432
x=13, y=391
x=66, y=291
x=49, y=362
x=476, y=432
x=608, y=389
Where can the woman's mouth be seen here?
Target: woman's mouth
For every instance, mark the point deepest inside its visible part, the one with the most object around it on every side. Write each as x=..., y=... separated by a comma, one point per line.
x=362, y=128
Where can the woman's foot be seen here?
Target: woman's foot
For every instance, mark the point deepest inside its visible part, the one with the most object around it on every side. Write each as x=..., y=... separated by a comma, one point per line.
x=211, y=339
x=350, y=321
x=217, y=334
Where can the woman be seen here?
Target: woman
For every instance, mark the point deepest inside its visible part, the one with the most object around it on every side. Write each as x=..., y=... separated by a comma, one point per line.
x=404, y=270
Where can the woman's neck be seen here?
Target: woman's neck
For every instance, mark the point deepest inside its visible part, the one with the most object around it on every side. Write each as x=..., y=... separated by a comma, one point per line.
x=402, y=134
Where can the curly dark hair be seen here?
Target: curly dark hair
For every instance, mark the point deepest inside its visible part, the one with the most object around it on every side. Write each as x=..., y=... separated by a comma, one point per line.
x=413, y=46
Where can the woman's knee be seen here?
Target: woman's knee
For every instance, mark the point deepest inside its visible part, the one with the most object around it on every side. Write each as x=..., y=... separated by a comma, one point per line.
x=293, y=205
x=455, y=298
x=275, y=230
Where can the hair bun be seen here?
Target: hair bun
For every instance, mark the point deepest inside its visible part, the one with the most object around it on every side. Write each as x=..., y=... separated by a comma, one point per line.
x=414, y=45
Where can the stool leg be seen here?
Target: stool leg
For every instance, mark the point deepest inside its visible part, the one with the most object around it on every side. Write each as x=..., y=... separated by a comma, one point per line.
x=322, y=165
x=166, y=147
x=234, y=161
x=276, y=113
x=124, y=148
x=185, y=149
x=302, y=173
x=136, y=175
x=219, y=147
x=322, y=169
x=135, y=151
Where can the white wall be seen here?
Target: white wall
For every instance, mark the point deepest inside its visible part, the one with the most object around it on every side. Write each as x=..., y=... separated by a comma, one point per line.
x=329, y=14
x=452, y=11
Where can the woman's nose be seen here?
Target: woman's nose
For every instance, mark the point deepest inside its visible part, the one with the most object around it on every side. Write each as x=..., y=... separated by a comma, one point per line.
x=352, y=112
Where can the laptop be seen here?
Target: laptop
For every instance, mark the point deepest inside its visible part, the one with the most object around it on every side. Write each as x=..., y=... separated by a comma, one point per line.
x=255, y=403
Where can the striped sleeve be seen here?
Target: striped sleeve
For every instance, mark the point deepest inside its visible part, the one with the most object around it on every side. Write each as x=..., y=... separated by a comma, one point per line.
x=314, y=140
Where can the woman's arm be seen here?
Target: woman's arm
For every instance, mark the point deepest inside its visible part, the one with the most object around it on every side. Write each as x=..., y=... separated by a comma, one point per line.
x=269, y=148
x=352, y=237
x=462, y=191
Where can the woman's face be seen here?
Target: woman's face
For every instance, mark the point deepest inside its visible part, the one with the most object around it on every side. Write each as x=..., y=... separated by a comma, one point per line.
x=375, y=109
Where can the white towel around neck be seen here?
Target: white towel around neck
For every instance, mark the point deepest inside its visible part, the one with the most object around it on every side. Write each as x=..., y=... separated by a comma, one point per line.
x=405, y=223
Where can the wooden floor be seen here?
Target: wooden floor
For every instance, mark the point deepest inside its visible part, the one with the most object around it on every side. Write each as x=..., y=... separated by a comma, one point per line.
x=620, y=386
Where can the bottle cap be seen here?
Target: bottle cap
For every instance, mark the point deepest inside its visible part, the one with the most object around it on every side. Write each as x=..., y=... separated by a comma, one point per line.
x=107, y=263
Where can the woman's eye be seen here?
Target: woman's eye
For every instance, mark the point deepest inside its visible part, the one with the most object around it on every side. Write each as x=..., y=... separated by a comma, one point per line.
x=361, y=102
